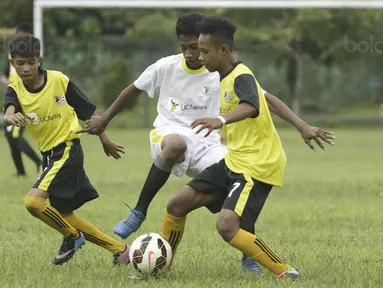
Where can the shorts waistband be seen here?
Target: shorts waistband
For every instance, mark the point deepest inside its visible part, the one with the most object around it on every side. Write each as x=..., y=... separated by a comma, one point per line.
x=61, y=146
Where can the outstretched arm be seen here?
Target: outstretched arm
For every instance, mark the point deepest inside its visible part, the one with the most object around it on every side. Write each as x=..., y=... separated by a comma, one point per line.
x=308, y=132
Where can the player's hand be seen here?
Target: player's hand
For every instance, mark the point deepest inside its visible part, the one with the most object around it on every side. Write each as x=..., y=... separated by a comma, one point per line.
x=113, y=149
x=17, y=119
x=207, y=123
x=96, y=125
x=310, y=133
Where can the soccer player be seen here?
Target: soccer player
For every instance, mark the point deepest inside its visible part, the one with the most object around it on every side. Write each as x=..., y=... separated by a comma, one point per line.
x=49, y=105
x=237, y=186
x=14, y=134
x=187, y=91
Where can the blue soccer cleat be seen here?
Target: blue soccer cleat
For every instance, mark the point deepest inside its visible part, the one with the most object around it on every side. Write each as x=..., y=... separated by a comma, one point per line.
x=250, y=265
x=130, y=224
x=68, y=247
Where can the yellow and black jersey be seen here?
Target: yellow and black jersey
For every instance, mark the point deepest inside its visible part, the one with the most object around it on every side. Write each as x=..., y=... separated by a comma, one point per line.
x=52, y=110
x=254, y=147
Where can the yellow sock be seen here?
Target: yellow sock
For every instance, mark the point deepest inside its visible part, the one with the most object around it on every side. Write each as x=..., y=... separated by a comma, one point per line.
x=255, y=248
x=173, y=230
x=92, y=234
x=49, y=215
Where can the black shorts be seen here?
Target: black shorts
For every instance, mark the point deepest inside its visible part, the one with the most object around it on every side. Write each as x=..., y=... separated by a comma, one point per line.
x=13, y=131
x=64, y=177
x=237, y=192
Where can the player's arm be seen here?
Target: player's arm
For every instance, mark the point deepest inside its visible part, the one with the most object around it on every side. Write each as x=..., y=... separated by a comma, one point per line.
x=308, y=132
x=148, y=81
x=246, y=89
x=12, y=108
x=84, y=109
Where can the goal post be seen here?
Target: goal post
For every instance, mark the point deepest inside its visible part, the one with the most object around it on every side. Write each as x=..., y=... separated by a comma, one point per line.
x=40, y=5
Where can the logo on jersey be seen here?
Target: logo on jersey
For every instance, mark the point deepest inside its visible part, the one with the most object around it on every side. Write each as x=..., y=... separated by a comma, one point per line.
x=60, y=100
x=209, y=90
x=227, y=96
x=33, y=117
x=173, y=105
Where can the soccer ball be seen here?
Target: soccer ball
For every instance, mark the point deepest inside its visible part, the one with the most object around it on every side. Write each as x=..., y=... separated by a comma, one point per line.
x=150, y=253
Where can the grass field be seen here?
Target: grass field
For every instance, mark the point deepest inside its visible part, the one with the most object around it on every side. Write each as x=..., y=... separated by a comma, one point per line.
x=326, y=221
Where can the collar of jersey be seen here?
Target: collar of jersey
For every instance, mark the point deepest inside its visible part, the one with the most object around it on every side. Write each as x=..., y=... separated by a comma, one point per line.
x=231, y=70
x=39, y=89
x=191, y=71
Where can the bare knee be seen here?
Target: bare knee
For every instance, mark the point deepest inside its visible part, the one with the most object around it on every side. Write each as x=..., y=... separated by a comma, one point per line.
x=173, y=148
x=228, y=224
x=187, y=200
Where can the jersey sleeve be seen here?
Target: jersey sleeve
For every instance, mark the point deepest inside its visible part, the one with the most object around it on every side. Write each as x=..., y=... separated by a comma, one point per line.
x=246, y=89
x=81, y=104
x=151, y=78
x=10, y=99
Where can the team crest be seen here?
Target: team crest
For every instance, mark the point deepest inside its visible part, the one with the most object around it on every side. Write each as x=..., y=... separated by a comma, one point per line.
x=173, y=104
x=227, y=96
x=60, y=100
x=209, y=90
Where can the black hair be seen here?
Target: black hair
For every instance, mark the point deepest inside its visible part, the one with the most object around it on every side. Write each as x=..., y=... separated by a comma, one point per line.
x=25, y=46
x=218, y=27
x=187, y=24
x=24, y=27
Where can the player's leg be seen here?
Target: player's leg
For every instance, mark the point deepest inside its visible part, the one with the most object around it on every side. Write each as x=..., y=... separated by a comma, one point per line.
x=35, y=203
x=12, y=134
x=92, y=234
x=241, y=208
x=190, y=198
x=207, y=158
x=27, y=149
x=171, y=150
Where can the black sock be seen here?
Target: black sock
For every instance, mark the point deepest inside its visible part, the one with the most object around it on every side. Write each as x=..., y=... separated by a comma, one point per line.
x=16, y=155
x=157, y=177
x=27, y=149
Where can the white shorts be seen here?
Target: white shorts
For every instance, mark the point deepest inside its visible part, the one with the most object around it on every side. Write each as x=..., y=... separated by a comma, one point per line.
x=200, y=152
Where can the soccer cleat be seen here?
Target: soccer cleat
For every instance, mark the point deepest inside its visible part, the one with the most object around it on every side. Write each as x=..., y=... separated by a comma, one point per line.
x=250, y=265
x=290, y=273
x=68, y=247
x=121, y=258
x=130, y=224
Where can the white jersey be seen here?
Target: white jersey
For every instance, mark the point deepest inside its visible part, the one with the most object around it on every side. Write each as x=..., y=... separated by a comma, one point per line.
x=185, y=94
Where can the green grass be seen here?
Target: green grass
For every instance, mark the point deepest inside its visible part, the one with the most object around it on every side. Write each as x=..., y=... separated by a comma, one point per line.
x=326, y=221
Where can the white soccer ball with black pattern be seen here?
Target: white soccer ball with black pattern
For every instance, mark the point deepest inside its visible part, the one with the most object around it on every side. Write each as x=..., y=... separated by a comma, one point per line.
x=150, y=254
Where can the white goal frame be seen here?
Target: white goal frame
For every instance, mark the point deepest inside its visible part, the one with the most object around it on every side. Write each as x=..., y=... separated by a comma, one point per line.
x=40, y=5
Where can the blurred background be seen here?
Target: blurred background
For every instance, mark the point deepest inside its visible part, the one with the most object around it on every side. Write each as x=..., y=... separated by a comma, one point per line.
x=325, y=63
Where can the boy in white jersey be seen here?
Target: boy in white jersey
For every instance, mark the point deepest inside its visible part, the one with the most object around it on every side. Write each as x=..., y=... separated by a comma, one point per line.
x=187, y=91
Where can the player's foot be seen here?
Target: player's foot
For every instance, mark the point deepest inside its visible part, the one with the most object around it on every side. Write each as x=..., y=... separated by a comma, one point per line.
x=290, y=273
x=18, y=175
x=250, y=265
x=68, y=247
x=121, y=258
x=130, y=224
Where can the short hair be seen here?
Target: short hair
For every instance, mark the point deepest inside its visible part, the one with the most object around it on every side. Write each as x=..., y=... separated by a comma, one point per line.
x=24, y=27
x=218, y=26
x=187, y=24
x=25, y=46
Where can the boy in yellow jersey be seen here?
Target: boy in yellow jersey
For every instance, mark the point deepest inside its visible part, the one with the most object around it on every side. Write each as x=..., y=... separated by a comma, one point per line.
x=14, y=134
x=237, y=186
x=49, y=105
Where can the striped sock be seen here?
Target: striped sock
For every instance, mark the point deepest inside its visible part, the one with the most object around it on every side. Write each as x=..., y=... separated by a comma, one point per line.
x=95, y=236
x=255, y=248
x=49, y=215
x=173, y=230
